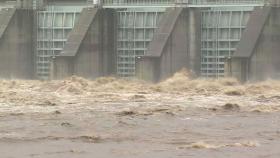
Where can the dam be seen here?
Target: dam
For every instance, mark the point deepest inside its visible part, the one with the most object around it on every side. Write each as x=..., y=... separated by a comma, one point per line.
x=139, y=78
x=145, y=39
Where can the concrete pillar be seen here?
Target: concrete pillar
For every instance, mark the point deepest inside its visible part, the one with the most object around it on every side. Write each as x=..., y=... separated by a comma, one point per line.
x=194, y=40
x=147, y=69
x=24, y=4
x=274, y=3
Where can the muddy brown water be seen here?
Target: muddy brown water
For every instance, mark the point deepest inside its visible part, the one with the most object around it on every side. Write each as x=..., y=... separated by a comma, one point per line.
x=112, y=118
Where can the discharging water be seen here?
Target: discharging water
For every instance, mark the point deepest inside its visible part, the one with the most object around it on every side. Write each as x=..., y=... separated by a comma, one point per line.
x=112, y=118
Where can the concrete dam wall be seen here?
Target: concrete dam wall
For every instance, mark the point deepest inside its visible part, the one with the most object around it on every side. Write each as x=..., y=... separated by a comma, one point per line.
x=257, y=56
x=58, y=39
x=173, y=46
x=16, y=44
x=89, y=49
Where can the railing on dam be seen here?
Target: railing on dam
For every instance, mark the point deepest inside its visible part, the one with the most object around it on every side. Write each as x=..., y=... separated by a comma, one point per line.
x=215, y=2
x=172, y=3
x=116, y=3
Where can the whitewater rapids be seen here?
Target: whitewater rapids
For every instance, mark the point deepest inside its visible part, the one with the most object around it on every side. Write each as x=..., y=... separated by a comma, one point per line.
x=110, y=117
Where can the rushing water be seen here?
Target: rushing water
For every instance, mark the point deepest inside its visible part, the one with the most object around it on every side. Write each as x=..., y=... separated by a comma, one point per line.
x=110, y=118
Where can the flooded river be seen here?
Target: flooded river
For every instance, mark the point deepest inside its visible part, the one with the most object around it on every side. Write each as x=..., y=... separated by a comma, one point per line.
x=112, y=118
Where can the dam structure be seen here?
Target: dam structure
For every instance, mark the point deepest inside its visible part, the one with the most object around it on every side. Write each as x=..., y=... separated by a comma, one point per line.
x=145, y=39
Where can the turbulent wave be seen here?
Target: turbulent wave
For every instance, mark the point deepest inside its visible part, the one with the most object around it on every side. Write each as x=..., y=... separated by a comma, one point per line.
x=204, y=145
x=181, y=85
